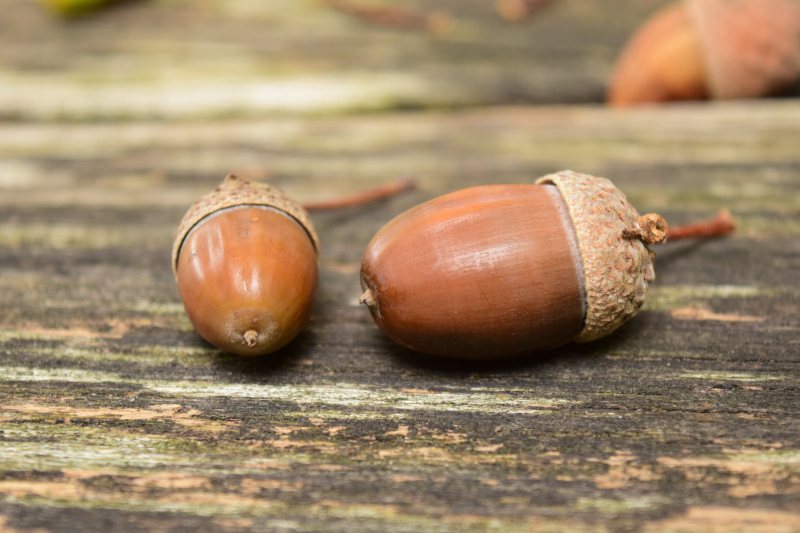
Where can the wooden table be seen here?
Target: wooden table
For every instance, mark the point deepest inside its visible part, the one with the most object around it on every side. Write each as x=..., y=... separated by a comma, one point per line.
x=114, y=415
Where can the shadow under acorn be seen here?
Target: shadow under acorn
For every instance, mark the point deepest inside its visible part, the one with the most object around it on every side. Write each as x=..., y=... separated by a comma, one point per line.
x=571, y=353
x=282, y=362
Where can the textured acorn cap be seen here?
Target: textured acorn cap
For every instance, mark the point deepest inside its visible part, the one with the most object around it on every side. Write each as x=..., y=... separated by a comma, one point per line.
x=617, y=265
x=751, y=47
x=235, y=192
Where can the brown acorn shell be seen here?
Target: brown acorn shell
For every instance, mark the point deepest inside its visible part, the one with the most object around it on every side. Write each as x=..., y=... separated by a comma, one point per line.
x=751, y=47
x=616, y=268
x=235, y=192
x=661, y=62
x=484, y=272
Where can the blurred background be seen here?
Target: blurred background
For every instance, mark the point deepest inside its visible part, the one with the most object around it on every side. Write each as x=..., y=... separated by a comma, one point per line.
x=190, y=59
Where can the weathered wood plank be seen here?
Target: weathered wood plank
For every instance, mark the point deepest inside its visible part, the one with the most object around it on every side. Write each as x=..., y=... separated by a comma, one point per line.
x=247, y=57
x=114, y=414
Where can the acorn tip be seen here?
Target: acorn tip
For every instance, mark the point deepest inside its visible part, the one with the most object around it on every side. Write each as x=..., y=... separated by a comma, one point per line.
x=251, y=337
x=367, y=298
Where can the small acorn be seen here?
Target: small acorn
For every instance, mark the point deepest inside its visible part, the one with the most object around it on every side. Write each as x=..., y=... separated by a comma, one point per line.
x=503, y=270
x=245, y=260
x=720, y=49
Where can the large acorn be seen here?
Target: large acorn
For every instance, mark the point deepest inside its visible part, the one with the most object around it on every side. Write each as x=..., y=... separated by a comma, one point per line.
x=503, y=270
x=245, y=260
x=721, y=49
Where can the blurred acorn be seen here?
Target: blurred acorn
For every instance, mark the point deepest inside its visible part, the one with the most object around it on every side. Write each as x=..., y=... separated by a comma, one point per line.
x=721, y=49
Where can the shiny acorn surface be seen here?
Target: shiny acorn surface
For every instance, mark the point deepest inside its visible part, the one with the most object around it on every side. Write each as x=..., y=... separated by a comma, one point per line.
x=485, y=272
x=245, y=262
x=247, y=276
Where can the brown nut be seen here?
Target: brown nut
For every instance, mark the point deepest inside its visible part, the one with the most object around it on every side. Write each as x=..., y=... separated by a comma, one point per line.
x=698, y=49
x=503, y=270
x=246, y=267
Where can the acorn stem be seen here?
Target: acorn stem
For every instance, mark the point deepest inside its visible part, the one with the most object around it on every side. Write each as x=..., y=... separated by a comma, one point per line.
x=651, y=228
x=251, y=337
x=719, y=226
x=362, y=198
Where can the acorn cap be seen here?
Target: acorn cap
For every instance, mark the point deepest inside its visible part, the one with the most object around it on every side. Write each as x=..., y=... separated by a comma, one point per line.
x=617, y=265
x=751, y=47
x=235, y=192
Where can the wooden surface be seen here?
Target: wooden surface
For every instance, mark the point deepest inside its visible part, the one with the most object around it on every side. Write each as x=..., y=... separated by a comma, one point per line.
x=114, y=415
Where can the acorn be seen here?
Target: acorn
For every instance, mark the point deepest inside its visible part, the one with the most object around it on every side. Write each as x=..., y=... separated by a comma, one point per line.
x=504, y=270
x=720, y=49
x=245, y=261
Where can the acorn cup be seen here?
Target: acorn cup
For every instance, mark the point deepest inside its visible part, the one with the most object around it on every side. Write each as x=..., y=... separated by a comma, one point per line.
x=245, y=261
x=719, y=49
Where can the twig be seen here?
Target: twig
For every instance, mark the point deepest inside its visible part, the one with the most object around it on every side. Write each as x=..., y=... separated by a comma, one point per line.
x=363, y=198
x=435, y=22
x=721, y=225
